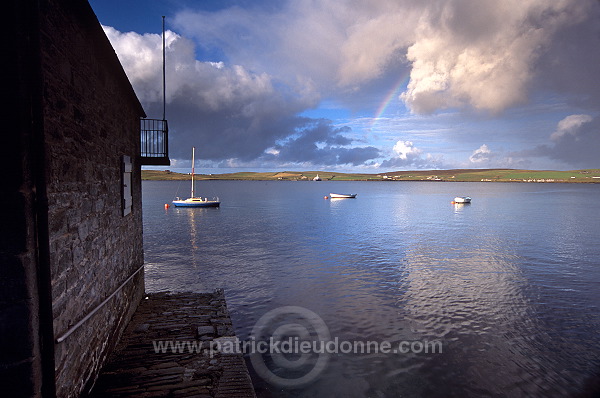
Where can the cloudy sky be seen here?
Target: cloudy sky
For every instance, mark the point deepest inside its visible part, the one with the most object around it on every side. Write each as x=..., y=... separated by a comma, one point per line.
x=367, y=85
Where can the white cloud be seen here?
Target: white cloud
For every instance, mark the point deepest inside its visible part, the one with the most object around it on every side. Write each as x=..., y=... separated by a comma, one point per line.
x=570, y=126
x=337, y=44
x=481, y=155
x=206, y=84
x=233, y=111
x=376, y=42
x=299, y=40
x=140, y=56
x=269, y=64
x=482, y=53
x=210, y=85
x=230, y=112
x=406, y=149
x=407, y=155
x=484, y=157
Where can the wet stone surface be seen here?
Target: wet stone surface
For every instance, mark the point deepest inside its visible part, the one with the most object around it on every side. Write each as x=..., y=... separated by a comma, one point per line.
x=166, y=351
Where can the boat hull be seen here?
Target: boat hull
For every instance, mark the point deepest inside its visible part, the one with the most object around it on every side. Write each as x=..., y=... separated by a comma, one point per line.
x=462, y=199
x=196, y=202
x=342, y=196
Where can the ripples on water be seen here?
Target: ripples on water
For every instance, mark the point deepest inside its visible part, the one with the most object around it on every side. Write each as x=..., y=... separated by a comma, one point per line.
x=509, y=284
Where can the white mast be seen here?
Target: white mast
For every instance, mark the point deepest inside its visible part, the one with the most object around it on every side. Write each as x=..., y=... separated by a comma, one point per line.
x=193, y=161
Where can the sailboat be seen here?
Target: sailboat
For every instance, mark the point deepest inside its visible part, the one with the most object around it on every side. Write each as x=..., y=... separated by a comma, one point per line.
x=194, y=201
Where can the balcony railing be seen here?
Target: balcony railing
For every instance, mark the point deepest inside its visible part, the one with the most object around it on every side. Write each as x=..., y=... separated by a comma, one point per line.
x=154, y=142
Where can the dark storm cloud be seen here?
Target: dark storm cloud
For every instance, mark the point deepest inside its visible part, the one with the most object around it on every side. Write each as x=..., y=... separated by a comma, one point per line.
x=575, y=142
x=242, y=129
x=570, y=64
x=319, y=142
x=482, y=56
x=230, y=113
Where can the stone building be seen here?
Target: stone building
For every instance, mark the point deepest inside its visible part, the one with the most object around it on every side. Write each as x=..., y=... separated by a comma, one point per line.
x=71, y=255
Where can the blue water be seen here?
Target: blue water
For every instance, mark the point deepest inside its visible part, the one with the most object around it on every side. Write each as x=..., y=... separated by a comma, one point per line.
x=510, y=284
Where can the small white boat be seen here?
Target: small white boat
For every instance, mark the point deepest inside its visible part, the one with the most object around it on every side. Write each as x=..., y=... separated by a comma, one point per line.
x=462, y=199
x=194, y=201
x=317, y=178
x=342, y=195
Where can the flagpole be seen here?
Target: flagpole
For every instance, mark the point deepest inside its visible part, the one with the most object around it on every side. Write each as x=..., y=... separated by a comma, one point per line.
x=163, y=70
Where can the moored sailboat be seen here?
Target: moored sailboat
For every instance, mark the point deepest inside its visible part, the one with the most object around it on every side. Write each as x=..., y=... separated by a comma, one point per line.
x=194, y=201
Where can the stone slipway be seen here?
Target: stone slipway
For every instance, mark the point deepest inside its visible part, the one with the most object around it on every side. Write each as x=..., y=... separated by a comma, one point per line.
x=136, y=369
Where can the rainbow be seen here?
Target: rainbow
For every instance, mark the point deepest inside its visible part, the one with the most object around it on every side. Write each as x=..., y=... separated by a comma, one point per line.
x=391, y=95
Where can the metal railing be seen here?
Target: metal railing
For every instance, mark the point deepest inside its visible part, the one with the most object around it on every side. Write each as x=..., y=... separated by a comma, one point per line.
x=73, y=328
x=154, y=140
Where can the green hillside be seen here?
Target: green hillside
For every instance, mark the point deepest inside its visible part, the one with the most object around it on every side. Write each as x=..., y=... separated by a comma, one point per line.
x=488, y=175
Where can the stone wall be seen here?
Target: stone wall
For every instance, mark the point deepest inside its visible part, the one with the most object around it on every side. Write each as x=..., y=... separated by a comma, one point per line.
x=88, y=122
x=91, y=120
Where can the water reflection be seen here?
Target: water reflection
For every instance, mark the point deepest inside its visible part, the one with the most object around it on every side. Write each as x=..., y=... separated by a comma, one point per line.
x=473, y=301
x=191, y=214
x=512, y=293
x=459, y=207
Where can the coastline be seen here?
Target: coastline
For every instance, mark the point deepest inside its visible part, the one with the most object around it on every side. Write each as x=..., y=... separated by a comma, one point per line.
x=586, y=176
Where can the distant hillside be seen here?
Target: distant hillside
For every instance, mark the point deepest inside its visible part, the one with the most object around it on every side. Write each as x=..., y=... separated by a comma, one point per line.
x=498, y=175
x=282, y=175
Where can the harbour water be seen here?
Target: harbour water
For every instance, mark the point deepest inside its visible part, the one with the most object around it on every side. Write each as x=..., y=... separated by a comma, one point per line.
x=508, y=285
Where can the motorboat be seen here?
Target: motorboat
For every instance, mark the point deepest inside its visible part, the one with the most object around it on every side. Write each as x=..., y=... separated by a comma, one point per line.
x=462, y=199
